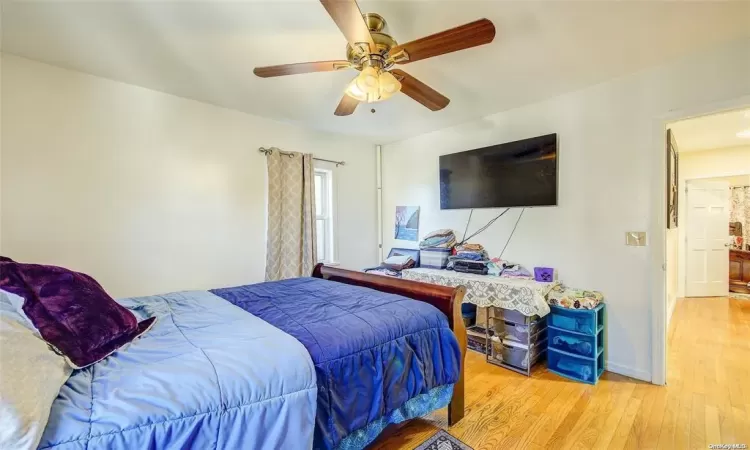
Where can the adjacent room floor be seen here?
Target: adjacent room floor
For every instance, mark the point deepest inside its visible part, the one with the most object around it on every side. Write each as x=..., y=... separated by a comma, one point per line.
x=706, y=400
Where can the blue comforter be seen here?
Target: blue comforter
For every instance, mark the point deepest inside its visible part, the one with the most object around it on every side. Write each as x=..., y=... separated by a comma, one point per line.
x=206, y=376
x=379, y=358
x=300, y=363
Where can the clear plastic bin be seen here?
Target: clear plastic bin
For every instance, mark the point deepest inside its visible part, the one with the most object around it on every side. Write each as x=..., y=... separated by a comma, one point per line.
x=517, y=332
x=517, y=356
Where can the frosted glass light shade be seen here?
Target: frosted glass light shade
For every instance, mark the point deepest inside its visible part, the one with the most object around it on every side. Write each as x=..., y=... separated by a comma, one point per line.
x=367, y=81
x=389, y=85
x=371, y=86
x=354, y=91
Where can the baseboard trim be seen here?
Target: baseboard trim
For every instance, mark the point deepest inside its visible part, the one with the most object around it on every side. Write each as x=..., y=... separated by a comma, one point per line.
x=628, y=371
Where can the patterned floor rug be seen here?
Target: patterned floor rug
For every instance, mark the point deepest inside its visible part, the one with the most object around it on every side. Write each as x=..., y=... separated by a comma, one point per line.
x=442, y=441
x=739, y=296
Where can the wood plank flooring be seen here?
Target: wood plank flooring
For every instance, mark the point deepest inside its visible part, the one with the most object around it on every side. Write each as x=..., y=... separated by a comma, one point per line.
x=706, y=400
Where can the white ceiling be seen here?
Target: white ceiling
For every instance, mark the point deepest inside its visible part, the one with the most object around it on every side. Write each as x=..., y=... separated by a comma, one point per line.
x=207, y=50
x=712, y=132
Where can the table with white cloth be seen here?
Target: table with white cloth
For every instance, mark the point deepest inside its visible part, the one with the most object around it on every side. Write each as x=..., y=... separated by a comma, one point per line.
x=523, y=295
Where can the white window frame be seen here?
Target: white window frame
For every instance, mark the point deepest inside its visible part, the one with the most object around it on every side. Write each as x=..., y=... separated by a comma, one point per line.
x=328, y=214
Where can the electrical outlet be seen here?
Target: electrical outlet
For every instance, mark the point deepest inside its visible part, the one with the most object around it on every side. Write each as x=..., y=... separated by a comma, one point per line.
x=635, y=238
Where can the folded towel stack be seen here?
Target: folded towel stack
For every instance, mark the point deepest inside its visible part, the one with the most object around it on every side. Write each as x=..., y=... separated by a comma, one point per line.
x=439, y=239
x=399, y=262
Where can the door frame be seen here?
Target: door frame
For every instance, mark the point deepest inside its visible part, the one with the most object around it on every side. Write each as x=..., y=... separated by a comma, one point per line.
x=658, y=226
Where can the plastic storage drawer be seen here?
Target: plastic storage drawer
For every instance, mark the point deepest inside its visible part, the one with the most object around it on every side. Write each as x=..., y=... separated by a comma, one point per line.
x=575, y=367
x=517, y=356
x=519, y=333
x=434, y=258
x=575, y=343
x=584, y=321
x=510, y=315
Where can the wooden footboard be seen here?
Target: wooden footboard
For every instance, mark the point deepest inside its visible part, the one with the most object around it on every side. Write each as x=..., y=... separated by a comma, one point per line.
x=448, y=300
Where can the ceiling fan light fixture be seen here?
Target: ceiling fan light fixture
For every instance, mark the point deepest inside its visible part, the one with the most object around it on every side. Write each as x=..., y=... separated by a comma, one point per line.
x=354, y=91
x=367, y=81
x=371, y=86
x=389, y=85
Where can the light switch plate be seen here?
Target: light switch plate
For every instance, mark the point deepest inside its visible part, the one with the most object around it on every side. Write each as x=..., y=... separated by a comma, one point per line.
x=635, y=238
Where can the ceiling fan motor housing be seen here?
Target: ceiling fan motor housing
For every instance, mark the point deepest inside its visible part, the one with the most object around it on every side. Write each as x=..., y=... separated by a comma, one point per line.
x=360, y=55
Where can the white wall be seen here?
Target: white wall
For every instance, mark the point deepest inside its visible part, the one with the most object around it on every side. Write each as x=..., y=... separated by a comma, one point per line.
x=148, y=192
x=606, y=140
x=717, y=163
x=1, y=151
x=723, y=162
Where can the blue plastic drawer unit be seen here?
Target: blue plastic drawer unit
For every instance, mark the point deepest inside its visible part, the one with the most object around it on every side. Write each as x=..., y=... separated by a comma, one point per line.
x=579, y=320
x=575, y=367
x=575, y=343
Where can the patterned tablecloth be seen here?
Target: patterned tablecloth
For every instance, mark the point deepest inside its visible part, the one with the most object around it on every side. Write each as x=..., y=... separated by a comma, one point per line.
x=525, y=296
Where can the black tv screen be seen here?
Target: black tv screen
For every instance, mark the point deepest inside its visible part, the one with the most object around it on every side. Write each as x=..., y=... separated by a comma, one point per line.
x=520, y=173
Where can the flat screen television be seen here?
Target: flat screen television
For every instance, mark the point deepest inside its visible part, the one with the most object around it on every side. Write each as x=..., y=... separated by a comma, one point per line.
x=520, y=173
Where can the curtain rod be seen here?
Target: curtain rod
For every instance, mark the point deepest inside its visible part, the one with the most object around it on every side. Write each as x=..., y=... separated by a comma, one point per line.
x=268, y=151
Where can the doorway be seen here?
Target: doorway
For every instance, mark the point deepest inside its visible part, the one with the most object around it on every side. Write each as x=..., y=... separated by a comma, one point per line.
x=711, y=219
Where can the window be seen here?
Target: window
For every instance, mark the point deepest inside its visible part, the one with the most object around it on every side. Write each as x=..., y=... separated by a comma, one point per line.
x=324, y=222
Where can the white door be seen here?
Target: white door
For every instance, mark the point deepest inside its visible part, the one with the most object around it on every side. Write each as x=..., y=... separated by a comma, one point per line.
x=707, y=238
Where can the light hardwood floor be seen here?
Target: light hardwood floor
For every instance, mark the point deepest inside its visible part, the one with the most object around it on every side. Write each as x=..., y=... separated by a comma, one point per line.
x=706, y=400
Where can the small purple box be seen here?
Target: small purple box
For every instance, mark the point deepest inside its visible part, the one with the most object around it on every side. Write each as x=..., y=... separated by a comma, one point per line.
x=544, y=274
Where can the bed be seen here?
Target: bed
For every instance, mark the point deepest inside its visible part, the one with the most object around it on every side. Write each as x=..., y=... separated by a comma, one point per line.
x=327, y=361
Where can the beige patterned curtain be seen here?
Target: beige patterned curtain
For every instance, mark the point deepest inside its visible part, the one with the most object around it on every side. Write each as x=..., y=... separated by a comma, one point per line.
x=739, y=211
x=290, y=244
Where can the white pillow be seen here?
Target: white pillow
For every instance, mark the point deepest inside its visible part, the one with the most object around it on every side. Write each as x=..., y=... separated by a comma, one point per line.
x=30, y=377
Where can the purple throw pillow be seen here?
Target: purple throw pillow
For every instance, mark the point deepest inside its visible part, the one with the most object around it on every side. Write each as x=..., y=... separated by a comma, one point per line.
x=72, y=311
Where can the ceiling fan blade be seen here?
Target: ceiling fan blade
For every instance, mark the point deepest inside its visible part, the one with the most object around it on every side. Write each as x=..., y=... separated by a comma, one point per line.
x=420, y=92
x=349, y=19
x=307, y=67
x=466, y=36
x=347, y=105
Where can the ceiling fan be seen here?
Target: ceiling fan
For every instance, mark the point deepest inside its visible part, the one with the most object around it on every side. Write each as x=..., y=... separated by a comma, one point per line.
x=374, y=53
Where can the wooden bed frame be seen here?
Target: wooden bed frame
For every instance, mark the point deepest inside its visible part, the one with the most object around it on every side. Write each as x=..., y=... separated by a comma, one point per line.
x=448, y=300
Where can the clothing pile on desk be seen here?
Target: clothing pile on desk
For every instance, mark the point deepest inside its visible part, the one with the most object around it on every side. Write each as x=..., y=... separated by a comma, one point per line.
x=443, y=238
x=393, y=266
x=471, y=252
x=470, y=258
x=507, y=269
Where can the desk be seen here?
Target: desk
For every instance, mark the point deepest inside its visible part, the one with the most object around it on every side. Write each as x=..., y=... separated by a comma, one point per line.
x=525, y=296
